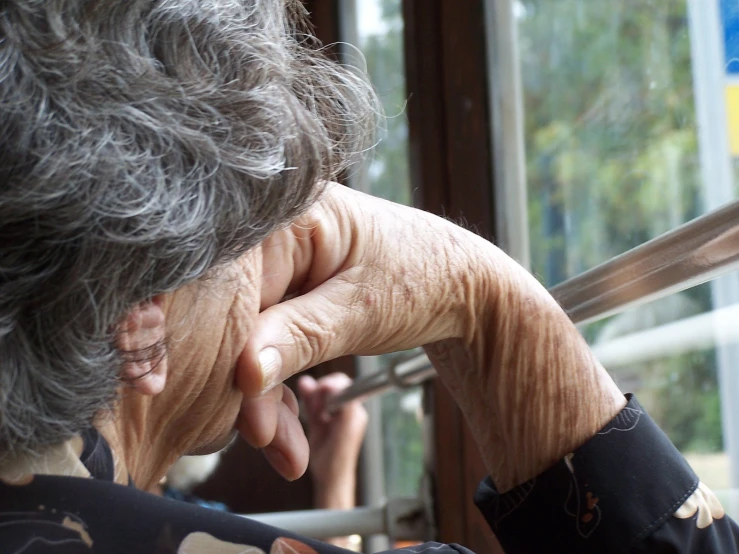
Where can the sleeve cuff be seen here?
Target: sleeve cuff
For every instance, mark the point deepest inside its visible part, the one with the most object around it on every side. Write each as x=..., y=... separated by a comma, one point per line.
x=609, y=494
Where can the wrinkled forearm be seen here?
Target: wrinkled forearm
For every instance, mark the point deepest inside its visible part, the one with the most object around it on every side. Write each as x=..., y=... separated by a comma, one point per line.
x=525, y=379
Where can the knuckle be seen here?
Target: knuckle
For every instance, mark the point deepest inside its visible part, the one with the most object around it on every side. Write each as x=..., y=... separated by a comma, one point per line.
x=312, y=340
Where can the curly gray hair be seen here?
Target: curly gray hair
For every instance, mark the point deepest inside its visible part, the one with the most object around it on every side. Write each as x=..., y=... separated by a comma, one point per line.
x=144, y=142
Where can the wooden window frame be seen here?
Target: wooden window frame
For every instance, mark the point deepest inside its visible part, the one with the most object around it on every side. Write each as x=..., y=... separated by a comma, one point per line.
x=452, y=169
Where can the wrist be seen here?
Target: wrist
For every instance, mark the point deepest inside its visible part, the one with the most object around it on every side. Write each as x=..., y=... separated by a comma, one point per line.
x=523, y=376
x=549, y=383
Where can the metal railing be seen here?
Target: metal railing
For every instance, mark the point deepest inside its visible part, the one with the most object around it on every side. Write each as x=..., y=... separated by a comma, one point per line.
x=397, y=375
x=400, y=518
x=689, y=255
x=718, y=327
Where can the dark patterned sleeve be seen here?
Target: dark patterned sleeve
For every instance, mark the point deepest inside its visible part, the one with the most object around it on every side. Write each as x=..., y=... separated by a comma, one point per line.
x=69, y=515
x=626, y=490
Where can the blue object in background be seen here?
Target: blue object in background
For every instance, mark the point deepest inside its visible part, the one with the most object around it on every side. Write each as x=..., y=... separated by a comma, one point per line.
x=730, y=22
x=175, y=494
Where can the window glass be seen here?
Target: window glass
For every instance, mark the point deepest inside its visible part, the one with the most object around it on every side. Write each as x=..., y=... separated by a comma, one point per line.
x=631, y=128
x=611, y=127
x=379, y=38
x=403, y=442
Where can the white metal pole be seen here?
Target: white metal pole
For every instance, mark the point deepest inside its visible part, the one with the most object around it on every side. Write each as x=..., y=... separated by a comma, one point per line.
x=372, y=464
x=324, y=524
x=714, y=329
x=401, y=518
x=707, y=55
x=505, y=94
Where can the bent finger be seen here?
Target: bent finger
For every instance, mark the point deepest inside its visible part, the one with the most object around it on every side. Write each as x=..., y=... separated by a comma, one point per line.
x=259, y=416
x=288, y=452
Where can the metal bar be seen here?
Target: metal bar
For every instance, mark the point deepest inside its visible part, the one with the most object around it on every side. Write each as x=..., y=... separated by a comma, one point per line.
x=372, y=461
x=324, y=524
x=371, y=385
x=711, y=329
x=406, y=374
x=400, y=519
x=694, y=253
x=507, y=120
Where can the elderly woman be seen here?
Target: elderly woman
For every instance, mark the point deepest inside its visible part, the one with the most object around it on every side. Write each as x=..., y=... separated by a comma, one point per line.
x=169, y=255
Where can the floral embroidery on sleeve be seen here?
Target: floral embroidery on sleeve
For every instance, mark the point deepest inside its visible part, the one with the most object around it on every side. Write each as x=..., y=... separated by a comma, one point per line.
x=625, y=421
x=80, y=528
x=582, y=507
x=703, y=502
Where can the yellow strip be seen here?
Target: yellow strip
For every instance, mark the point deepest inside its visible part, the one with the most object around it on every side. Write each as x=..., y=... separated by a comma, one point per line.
x=732, y=112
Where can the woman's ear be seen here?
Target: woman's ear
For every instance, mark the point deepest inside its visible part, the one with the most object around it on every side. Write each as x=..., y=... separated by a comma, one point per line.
x=141, y=339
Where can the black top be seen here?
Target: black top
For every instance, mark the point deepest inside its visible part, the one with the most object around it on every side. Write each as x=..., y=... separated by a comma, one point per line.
x=627, y=490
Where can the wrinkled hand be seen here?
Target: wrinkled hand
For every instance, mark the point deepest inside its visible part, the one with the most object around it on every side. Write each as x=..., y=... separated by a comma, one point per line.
x=364, y=276
x=335, y=440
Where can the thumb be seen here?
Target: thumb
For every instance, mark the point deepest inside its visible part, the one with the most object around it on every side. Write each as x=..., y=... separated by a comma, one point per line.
x=303, y=332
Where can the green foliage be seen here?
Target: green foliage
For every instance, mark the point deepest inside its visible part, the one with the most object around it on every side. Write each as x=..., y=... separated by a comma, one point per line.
x=612, y=161
x=611, y=141
x=388, y=173
x=403, y=442
x=683, y=398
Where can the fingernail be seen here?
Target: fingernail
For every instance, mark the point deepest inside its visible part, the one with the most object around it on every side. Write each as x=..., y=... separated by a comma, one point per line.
x=278, y=461
x=270, y=364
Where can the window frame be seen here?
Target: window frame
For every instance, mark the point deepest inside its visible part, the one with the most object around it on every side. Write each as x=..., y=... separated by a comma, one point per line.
x=452, y=171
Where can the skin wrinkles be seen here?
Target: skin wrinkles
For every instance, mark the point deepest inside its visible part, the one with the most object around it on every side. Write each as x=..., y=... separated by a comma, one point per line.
x=199, y=406
x=547, y=362
x=513, y=361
